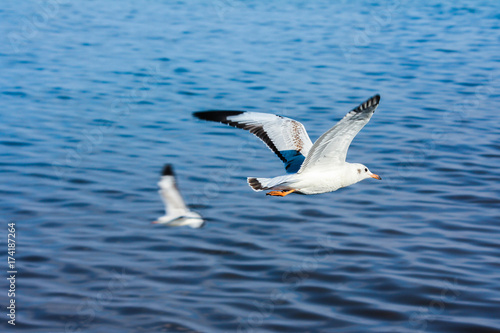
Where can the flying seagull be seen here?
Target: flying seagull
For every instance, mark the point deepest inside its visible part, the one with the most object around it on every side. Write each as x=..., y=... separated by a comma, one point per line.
x=312, y=169
x=177, y=214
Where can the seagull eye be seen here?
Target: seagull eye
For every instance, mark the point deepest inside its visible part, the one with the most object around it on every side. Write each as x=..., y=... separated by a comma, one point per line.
x=366, y=169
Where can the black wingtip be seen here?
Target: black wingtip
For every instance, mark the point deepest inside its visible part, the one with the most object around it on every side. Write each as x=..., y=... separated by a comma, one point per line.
x=216, y=115
x=371, y=102
x=167, y=170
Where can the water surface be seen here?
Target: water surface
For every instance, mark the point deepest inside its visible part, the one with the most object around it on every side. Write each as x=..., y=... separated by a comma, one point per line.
x=96, y=98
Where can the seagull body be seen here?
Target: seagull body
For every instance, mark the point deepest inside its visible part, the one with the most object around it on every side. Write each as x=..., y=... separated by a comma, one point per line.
x=177, y=213
x=314, y=181
x=312, y=168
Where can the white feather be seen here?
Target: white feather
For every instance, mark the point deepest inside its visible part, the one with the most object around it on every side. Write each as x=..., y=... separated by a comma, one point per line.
x=331, y=148
x=174, y=203
x=177, y=213
x=285, y=133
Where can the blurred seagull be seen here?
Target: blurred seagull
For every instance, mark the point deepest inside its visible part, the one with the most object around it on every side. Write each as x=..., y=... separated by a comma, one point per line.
x=177, y=214
x=312, y=169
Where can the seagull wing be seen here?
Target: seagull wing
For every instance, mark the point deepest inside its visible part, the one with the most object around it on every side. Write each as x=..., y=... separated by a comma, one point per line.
x=286, y=137
x=174, y=204
x=331, y=148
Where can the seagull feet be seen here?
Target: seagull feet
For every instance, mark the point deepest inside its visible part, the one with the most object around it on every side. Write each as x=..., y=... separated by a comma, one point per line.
x=280, y=193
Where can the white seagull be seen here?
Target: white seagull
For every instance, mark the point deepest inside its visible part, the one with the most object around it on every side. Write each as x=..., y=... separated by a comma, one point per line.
x=312, y=169
x=177, y=214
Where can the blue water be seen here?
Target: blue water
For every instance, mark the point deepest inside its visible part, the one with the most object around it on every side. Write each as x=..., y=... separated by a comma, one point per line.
x=97, y=96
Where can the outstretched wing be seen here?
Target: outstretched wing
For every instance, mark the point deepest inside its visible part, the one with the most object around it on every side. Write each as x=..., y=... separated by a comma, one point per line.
x=286, y=137
x=331, y=148
x=174, y=204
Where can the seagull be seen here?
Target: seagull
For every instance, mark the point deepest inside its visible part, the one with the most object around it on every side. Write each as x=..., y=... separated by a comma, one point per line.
x=177, y=214
x=311, y=168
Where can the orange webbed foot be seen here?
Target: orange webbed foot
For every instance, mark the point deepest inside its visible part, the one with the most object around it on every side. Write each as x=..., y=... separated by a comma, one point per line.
x=280, y=193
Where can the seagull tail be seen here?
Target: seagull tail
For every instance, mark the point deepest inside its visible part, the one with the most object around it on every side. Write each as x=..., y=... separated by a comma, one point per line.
x=262, y=184
x=256, y=183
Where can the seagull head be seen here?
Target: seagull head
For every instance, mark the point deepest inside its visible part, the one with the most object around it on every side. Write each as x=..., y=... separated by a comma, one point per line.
x=162, y=220
x=362, y=172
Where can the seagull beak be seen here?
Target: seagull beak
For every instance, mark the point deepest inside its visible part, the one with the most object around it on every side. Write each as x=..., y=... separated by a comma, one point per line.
x=155, y=222
x=375, y=176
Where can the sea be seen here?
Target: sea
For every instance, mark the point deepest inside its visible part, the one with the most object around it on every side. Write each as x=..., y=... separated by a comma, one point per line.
x=97, y=96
